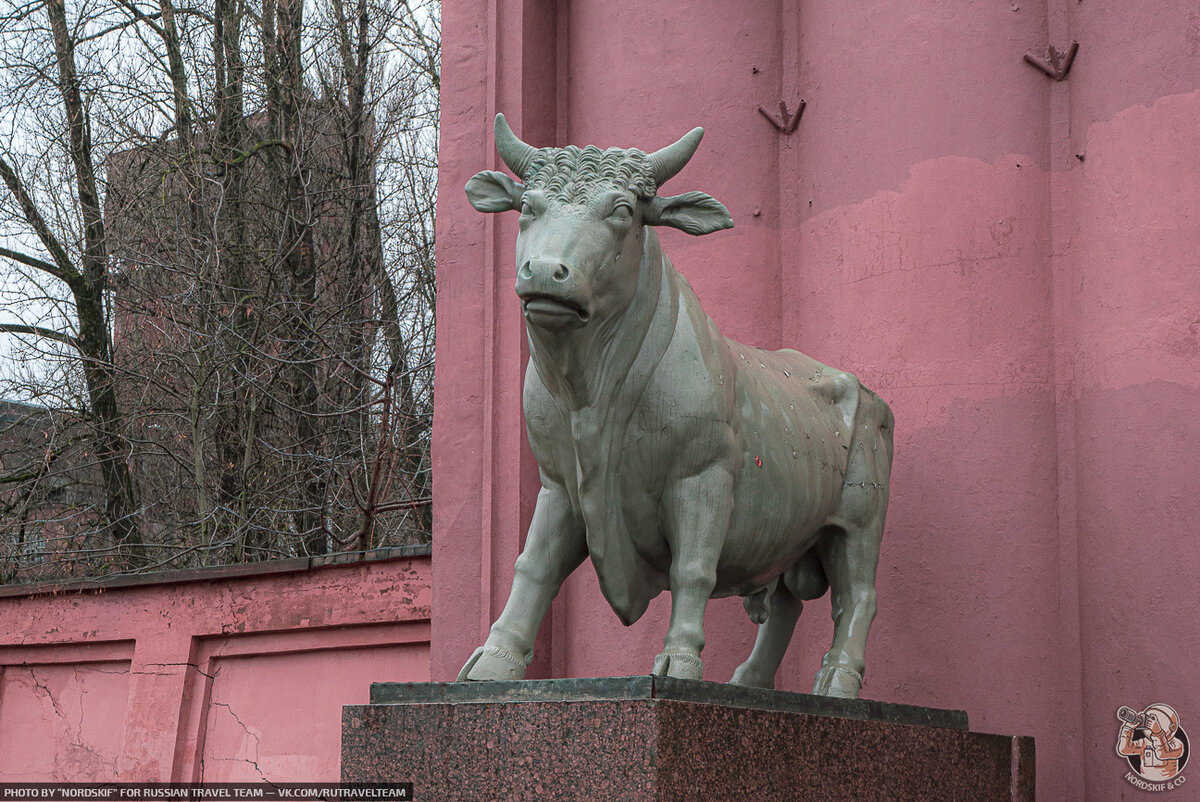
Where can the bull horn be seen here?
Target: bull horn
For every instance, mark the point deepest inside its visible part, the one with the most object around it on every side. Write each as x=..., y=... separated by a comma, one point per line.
x=515, y=153
x=671, y=159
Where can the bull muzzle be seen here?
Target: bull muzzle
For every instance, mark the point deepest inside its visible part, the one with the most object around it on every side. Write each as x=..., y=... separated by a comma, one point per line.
x=552, y=295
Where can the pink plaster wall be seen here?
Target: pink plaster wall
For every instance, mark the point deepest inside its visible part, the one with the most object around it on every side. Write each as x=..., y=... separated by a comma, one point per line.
x=63, y=720
x=1031, y=316
x=223, y=678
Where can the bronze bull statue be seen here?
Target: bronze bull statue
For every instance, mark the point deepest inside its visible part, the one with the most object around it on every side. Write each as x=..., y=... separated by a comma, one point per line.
x=675, y=457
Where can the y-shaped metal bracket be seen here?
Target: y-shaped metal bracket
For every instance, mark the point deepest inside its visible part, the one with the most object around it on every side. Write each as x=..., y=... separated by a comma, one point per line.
x=787, y=121
x=1057, y=64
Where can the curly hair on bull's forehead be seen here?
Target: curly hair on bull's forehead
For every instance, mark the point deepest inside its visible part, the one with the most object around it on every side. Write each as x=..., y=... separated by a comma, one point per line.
x=573, y=174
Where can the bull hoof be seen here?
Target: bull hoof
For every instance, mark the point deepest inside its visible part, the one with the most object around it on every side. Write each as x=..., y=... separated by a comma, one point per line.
x=750, y=678
x=839, y=681
x=679, y=664
x=492, y=663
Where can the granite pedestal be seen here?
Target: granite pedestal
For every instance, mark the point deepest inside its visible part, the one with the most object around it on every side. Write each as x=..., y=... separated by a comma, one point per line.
x=655, y=738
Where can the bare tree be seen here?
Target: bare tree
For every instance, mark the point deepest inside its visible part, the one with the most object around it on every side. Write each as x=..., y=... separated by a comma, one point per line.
x=84, y=273
x=242, y=277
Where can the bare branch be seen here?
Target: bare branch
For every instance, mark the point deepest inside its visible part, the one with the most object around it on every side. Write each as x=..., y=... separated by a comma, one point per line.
x=32, y=261
x=39, y=331
x=62, y=268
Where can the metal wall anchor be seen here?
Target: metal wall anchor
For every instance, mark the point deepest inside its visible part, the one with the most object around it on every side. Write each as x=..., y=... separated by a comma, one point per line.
x=1057, y=65
x=787, y=122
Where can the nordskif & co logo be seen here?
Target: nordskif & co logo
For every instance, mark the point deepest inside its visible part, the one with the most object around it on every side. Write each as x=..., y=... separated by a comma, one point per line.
x=1154, y=745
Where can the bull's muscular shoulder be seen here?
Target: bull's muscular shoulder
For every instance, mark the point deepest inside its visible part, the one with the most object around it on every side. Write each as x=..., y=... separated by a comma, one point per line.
x=537, y=402
x=545, y=425
x=691, y=398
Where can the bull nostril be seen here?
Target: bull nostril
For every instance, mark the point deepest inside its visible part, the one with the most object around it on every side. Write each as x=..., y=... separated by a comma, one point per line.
x=561, y=273
x=524, y=272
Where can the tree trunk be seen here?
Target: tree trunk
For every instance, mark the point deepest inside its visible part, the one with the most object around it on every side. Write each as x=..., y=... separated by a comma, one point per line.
x=301, y=274
x=113, y=452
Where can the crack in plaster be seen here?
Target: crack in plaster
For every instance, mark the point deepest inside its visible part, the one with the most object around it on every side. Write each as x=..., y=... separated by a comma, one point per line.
x=142, y=670
x=83, y=691
x=73, y=738
x=257, y=744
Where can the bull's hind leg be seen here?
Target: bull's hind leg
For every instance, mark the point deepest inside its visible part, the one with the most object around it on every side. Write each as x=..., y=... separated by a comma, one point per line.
x=804, y=580
x=850, y=559
x=850, y=556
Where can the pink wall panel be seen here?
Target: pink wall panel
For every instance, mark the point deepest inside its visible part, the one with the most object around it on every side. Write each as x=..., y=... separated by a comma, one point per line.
x=279, y=730
x=892, y=85
x=650, y=96
x=1135, y=304
x=62, y=721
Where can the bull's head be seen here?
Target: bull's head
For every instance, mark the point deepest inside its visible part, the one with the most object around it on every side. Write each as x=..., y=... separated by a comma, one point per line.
x=582, y=217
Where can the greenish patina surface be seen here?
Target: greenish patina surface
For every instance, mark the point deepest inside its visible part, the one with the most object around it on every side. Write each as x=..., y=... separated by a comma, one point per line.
x=675, y=457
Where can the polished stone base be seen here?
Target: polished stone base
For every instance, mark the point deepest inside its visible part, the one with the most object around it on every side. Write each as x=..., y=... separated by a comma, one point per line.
x=653, y=738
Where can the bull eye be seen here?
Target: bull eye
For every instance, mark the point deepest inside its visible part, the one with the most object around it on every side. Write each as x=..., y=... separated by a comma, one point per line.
x=526, y=208
x=622, y=211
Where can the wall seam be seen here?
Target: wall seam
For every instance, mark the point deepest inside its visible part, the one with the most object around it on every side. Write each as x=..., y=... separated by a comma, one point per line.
x=1060, y=31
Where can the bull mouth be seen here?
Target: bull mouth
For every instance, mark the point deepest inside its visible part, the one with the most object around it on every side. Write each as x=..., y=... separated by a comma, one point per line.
x=554, y=312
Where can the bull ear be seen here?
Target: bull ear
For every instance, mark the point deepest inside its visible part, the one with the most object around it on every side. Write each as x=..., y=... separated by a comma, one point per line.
x=491, y=191
x=694, y=212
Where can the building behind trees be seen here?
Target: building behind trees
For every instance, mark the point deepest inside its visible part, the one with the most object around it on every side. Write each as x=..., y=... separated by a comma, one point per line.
x=241, y=368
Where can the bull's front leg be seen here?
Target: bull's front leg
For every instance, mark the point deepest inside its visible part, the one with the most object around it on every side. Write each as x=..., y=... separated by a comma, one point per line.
x=555, y=547
x=696, y=513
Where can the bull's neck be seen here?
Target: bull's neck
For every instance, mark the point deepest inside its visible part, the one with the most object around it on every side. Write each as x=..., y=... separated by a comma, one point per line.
x=585, y=368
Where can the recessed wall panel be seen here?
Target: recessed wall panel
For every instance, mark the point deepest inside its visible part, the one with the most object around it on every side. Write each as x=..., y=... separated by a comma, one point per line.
x=62, y=721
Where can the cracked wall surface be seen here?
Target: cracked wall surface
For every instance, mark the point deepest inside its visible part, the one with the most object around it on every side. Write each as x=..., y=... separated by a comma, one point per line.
x=241, y=744
x=230, y=678
x=62, y=721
